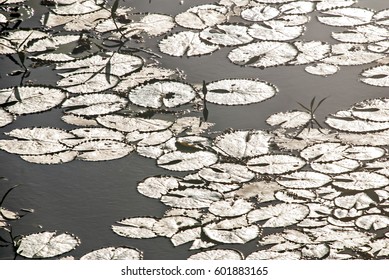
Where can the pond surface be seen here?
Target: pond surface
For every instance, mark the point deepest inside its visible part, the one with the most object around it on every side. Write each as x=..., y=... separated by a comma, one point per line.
x=87, y=198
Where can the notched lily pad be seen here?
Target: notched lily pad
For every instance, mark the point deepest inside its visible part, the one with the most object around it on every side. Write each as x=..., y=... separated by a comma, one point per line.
x=322, y=69
x=275, y=30
x=129, y=124
x=360, y=181
x=88, y=82
x=5, y=118
x=203, y=16
x=290, y=119
x=179, y=161
x=102, y=150
x=230, y=208
x=266, y=255
x=114, y=253
x=217, y=254
x=239, y=91
x=275, y=164
x=191, y=198
x=227, y=35
x=140, y=227
x=46, y=244
x=226, y=173
x=260, y=13
x=375, y=222
x=304, y=180
x=376, y=76
x=346, y=16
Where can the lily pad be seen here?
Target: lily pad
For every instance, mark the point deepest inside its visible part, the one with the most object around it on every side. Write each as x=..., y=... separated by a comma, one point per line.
x=311, y=51
x=102, y=150
x=376, y=76
x=263, y=54
x=56, y=158
x=169, y=226
x=227, y=35
x=304, y=180
x=239, y=235
x=46, y=244
x=30, y=99
x=186, y=42
x=226, y=173
x=191, y=198
x=82, y=83
x=155, y=187
x=362, y=34
x=217, y=254
x=351, y=54
x=375, y=222
x=297, y=8
x=77, y=8
x=129, y=124
x=239, y=91
x=141, y=227
x=162, y=93
x=275, y=30
x=355, y=125
x=94, y=104
x=346, y=16
x=260, y=13
x=241, y=144
x=336, y=167
x=275, y=164
x=290, y=119
x=114, y=253
x=360, y=181
x=230, y=208
x=268, y=255
x=279, y=215
x=203, y=16
x=315, y=251
x=5, y=118
x=179, y=161
x=322, y=69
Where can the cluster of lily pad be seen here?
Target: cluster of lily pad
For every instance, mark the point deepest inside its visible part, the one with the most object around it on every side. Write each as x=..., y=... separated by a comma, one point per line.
x=300, y=191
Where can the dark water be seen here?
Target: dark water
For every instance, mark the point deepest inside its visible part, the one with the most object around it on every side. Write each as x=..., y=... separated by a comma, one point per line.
x=87, y=198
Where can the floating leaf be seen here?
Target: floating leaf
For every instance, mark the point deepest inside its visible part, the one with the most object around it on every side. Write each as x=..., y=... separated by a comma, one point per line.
x=46, y=244
x=101, y=150
x=179, y=161
x=152, y=24
x=351, y=54
x=375, y=222
x=186, y=235
x=304, y=180
x=77, y=8
x=57, y=158
x=331, y=4
x=230, y=208
x=358, y=201
x=114, y=253
x=355, y=125
x=360, y=181
x=275, y=164
x=162, y=93
x=322, y=69
x=120, y=64
x=362, y=34
x=376, y=76
x=241, y=144
x=381, y=246
x=217, y=254
x=382, y=17
x=266, y=255
x=263, y=54
x=95, y=133
x=140, y=227
x=226, y=35
x=5, y=118
x=79, y=120
x=226, y=173
x=310, y=51
x=260, y=13
x=262, y=191
x=238, y=235
x=185, y=42
x=82, y=83
x=290, y=119
x=279, y=215
x=169, y=226
x=202, y=16
x=315, y=251
x=239, y=91
x=155, y=187
x=275, y=30
x=191, y=198
x=335, y=167
x=128, y=124
x=297, y=8
x=30, y=99
x=346, y=16
x=94, y=104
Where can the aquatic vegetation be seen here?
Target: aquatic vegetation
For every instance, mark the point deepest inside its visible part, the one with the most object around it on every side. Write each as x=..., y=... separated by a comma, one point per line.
x=323, y=189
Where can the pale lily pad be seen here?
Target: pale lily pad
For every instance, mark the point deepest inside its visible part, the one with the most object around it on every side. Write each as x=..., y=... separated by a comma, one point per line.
x=152, y=24
x=128, y=124
x=185, y=42
x=279, y=215
x=57, y=158
x=263, y=54
x=102, y=150
x=226, y=173
x=241, y=144
x=77, y=8
x=362, y=34
x=261, y=191
x=217, y=254
x=315, y=251
x=260, y=13
x=331, y=4
x=32, y=147
x=5, y=118
x=297, y=8
x=202, y=16
x=169, y=226
x=372, y=110
x=179, y=161
x=46, y=244
x=351, y=54
x=239, y=91
x=149, y=138
x=346, y=16
x=336, y=167
x=358, y=201
x=304, y=180
x=20, y=39
x=375, y=222
x=322, y=69
x=311, y=51
x=275, y=30
x=94, y=104
x=290, y=119
x=230, y=208
x=376, y=76
x=114, y=253
x=275, y=164
x=355, y=125
x=381, y=246
x=382, y=17
x=79, y=120
x=227, y=35
x=186, y=235
x=140, y=227
x=239, y=235
x=155, y=187
x=31, y=99
x=360, y=181
x=82, y=83
x=94, y=133
x=108, y=63
x=162, y=93
x=268, y=255
x=191, y=198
